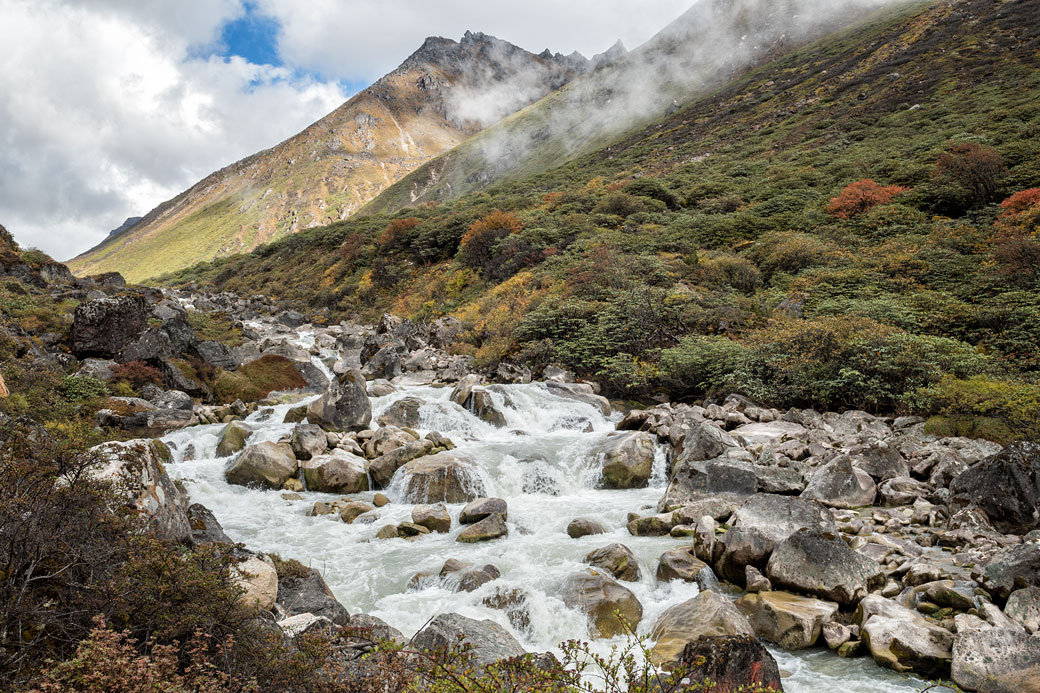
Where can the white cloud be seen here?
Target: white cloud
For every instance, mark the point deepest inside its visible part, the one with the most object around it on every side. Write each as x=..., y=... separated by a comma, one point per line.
x=106, y=112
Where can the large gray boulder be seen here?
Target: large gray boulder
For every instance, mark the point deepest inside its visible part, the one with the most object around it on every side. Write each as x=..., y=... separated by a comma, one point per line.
x=137, y=473
x=102, y=327
x=840, y=485
x=627, y=460
x=304, y=591
x=693, y=480
x=1023, y=607
x=344, y=406
x=385, y=466
x=481, y=508
x=705, y=441
x=682, y=564
x=730, y=664
x=308, y=440
x=403, y=413
x=1006, y=486
x=233, y=438
x=616, y=559
x=901, y=639
x=996, y=660
x=762, y=522
x=446, y=477
x=489, y=642
x=790, y=621
x=265, y=465
x=705, y=616
x=1009, y=570
x=602, y=599
x=880, y=459
x=337, y=472
x=825, y=567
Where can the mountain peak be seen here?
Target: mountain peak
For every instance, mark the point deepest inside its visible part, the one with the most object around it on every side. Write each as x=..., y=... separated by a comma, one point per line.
x=613, y=53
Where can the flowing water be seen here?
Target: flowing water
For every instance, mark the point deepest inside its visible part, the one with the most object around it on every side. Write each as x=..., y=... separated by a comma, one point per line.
x=540, y=464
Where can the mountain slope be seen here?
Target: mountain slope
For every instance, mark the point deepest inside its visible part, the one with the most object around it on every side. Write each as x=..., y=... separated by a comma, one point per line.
x=441, y=95
x=705, y=47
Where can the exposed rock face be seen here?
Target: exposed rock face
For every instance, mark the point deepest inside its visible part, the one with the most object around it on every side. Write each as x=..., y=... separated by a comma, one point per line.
x=732, y=664
x=840, y=485
x=616, y=559
x=309, y=594
x=996, y=660
x=705, y=616
x=266, y=465
x=810, y=562
x=790, y=621
x=259, y=578
x=442, y=478
x=205, y=529
x=599, y=597
x=694, y=479
x=1010, y=570
x=627, y=460
x=102, y=327
x=1023, y=607
x=137, y=473
x=1006, y=486
x=490, y=642
x=337, y=472
x=344, y=407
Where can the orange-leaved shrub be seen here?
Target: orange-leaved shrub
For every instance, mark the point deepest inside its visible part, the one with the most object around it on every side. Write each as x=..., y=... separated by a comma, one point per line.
x=862, y=196
x=477, y=247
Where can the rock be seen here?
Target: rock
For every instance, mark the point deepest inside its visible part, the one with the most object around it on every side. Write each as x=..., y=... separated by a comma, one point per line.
x=489, y=641
x=704, y=538
x=233, y=438
x=305, y=624
x=782, y=480
x=147, y=423
x=217, y=354
x=304, y=591
x=762, y=522
x=945, y=593
x=694, y=479
x=388, y=532
x=150, y=345
x=790, y=621
x=296, y=414
x=681, y=564
x=514, y=602
x=258, y=577
x=387, y=439
x=840, y=485
x=1023, y=607
x=308, y=440
x=344, y=407
x=599, y=597
x=1009, y=570
x=705, y=441
x=482, y=403
x=901, y=639
x=337, y=472
x=376, y=388
x=754, y=434
x=809, y=562
x=136, y=469
x=902, y=491
x=731, y=664
x=385, y=466
x=375, y=630
x=1006, y=486
x=474, y=578
x=385, y=364
x=481, y=508
x=835, y=634
x=584, y=527
x=705, y=616
x=755, y=581
x=204, y=526
x=433, y=517
x=355, y=509
x=103, y=326
x=380, y=500
x=996, y=661
x=442, y=478
x=266, y=465
x=491, y=527
x=174, y=399
x=579, y=392
x=616, y=559
x=627, y=460
x=403, y=413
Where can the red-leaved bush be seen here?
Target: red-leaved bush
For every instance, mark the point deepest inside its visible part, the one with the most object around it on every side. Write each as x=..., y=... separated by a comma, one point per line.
x=1021, y=201
x=862, y=196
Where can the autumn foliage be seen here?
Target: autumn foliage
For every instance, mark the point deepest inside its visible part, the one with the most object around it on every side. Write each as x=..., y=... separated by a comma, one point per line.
x=1022, y=201
x=969, y=175
x=860, y=197
x=478, y=243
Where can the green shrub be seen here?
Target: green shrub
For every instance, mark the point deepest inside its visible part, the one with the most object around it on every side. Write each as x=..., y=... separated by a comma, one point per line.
x=257, y=379
x=215, y=327
x=80, y=388
x=701, y=365
x=1001, y=410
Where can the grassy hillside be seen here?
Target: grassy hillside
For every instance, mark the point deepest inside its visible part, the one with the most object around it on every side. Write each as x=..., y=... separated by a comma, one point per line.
x=735, y=244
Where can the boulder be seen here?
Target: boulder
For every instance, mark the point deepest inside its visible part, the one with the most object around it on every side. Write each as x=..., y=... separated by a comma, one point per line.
x=579, y=392
x=337, y=472
x=810, y=562
x=731, y=664
x=1009, y=570
x=265, y=465
x=1006, y=486
x=481, y=508
x=205, y=529
x=309, y=440
x=306, y=624
x=233, y=438
x=880, y=459
x=403, y=413
x=103, y=326
x=705, y=441
x=433, y=517
x=584, y=527
x=790, y=621
x=173, y=399
x=446, y=477
x=483, y=405
x=840, y=485
x=693, y=480
x=344, y=406
x=217, y=354
x=137, y=472
x=705, y=616
x=1023, y=607
x=901, y=639
x=489, y=642
x=387, y=439
x=601, y=598
x=681, y=564
x=627, y=460
x=472, y=579
x=491, y=527
x=616, y=559
x=147, y=423
x=351, y=511
x=375, y=630
x=304, y=591
x=755, y=434
x=257, y=576
x=996, y=660
x=385, y=466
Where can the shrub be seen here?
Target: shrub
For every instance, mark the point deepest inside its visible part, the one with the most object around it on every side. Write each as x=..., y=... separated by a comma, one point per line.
x=620, y=204
x=396, y=233
x=215, y=327
x=652, y=188
x=860, y=197
x=700, y=365
x=1001, y=410
x=730, y=270
x=136, y=373
x=968, y=175
x=1020, y=202
x=257, y=379
x=80, y=388
x=477, y=246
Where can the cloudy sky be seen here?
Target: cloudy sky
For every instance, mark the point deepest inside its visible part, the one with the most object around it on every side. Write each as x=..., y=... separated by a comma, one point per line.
x=110, y=107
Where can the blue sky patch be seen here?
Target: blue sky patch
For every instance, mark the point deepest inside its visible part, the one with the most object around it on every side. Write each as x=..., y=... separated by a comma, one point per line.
x=254, y=36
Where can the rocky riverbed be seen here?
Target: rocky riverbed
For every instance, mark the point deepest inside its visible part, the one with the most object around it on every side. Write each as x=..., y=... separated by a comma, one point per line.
x=522, y=512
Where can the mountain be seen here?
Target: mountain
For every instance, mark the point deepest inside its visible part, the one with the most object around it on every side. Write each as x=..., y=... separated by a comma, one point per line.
x=130, y=223
x=442, y=94
x=704, y=48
